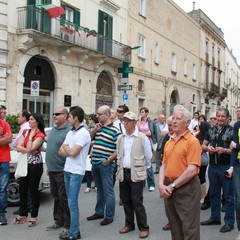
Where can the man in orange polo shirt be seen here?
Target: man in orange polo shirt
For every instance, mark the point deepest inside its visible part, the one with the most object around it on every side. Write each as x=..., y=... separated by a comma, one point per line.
x=178, y=181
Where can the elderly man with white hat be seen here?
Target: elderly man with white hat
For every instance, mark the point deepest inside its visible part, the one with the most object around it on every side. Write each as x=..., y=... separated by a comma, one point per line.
x=134, y=157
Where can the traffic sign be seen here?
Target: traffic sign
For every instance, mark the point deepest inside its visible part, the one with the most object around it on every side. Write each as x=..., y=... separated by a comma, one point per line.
x=35, y=88
x=124, y=87
x=125, y=97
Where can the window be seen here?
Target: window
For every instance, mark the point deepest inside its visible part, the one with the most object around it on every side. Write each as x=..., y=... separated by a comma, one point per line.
x=142, y=9
x=185, y=67
x=141, y=86
x=142, y=49
x=72, y=15
x=206, y=50
x=194, y=73
x=174, y=63
x=157, y=53
x=105, y=28
x=193, y=98
x=219, y=55
x=213, y=51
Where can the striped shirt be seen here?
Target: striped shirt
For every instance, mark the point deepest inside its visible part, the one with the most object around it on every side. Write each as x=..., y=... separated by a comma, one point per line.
x=105, y=141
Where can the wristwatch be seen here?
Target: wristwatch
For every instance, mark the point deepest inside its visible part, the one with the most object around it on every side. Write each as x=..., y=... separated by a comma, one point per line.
x=173, y=185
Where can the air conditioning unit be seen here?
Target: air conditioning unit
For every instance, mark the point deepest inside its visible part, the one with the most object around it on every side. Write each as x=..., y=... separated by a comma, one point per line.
x=67, y=37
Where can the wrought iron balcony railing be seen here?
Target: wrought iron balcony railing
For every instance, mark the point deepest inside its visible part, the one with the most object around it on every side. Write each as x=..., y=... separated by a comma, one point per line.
x=35, y=19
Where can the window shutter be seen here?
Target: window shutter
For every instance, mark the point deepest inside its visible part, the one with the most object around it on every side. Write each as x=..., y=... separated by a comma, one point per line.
x=76, y=19
x=100, y=22
x=63, y=16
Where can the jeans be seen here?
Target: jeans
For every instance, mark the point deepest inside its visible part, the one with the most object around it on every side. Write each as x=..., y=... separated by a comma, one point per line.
x=103, y=177
x=4, y=178
x=218, y=182
x=73, y=185
x=236, y=179
x=88, y=176
x=150, y=177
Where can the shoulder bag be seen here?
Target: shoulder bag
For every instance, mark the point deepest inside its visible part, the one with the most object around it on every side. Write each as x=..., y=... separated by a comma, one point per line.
x=22, y=166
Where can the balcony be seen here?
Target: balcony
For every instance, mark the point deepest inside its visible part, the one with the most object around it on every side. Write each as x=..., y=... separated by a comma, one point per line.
x=37, y=25
x=211, y=90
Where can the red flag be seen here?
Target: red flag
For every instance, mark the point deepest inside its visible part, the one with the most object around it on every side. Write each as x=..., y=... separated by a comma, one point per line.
x=52, y=10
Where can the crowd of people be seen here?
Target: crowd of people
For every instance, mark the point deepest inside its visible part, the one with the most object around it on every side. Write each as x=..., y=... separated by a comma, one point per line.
x=118, y=144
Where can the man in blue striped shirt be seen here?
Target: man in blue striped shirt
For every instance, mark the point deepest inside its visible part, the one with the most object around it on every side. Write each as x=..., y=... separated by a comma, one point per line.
x=103, y=156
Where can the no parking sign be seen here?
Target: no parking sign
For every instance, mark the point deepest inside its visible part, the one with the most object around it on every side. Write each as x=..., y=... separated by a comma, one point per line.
x=34, y=88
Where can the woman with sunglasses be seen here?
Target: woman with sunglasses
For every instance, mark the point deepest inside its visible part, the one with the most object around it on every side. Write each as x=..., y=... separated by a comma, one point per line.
x=30, y=143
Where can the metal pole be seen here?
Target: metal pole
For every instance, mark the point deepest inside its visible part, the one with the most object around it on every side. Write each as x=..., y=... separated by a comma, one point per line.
x=35, y=104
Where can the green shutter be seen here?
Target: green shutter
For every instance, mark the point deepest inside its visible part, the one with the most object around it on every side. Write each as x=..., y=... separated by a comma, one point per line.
x=100, y=22
x=31, y=14
x=63, y=16
x=100, y=30
x=31, y=2
x=76, y=19
x=46, y=20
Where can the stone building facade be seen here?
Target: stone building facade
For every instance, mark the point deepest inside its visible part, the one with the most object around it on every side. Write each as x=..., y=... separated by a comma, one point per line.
x=74, y=58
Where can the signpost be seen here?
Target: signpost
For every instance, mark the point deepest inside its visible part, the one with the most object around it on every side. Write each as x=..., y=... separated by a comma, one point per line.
x=35, y=92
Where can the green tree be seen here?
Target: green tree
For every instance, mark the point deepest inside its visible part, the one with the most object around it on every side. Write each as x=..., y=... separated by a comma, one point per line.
x=13, y=122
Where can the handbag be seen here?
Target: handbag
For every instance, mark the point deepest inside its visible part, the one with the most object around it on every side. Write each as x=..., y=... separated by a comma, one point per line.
x=22, y=166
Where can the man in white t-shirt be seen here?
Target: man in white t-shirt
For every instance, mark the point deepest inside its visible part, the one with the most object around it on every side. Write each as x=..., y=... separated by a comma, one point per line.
x=75, y=148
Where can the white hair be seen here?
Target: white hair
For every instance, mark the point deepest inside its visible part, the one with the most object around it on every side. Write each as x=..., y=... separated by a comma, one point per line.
x=187, y=115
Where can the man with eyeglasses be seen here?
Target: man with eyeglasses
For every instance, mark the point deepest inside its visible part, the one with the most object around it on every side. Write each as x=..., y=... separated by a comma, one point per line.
x=55, y=164
x=103, y=155
x=213, y=119
x=217, y=143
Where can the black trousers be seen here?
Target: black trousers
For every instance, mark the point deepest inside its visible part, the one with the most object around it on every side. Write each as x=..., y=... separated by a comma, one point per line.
x=131, y=194
x=30, y=182
x=61, y=214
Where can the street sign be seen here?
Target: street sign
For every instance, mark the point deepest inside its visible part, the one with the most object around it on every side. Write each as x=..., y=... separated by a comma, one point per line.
x=125, y=97
x=35, y=88
x=124, y=87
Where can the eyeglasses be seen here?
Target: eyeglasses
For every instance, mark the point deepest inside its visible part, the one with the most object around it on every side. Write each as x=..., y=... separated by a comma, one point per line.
x=57, y=114
x=120, y=111
x=213, y=118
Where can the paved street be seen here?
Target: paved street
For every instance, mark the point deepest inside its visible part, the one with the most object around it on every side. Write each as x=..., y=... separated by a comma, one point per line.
x=93, y=231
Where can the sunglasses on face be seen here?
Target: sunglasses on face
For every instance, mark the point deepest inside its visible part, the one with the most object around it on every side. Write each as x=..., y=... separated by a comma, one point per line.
x=57, y=114
x=120, y=111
